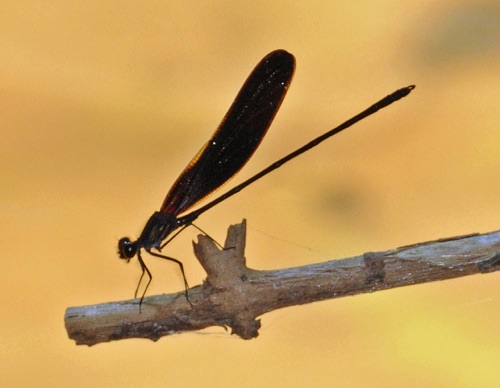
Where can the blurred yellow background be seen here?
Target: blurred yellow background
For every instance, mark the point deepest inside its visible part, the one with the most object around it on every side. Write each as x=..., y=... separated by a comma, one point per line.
x=103, y=104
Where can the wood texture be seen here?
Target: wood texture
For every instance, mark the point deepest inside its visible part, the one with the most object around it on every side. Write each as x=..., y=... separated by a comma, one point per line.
x=234, y=295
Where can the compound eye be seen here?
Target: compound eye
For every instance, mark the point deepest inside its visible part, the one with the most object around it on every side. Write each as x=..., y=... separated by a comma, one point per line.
x=126, y=248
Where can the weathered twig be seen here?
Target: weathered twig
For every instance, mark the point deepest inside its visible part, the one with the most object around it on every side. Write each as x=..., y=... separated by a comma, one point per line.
x=234, y=295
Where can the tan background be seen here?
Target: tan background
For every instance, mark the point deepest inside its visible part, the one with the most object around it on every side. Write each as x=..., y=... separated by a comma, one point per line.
x=104, y=102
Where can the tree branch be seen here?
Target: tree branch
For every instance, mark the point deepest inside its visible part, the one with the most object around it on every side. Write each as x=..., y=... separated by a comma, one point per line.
x=234, y=295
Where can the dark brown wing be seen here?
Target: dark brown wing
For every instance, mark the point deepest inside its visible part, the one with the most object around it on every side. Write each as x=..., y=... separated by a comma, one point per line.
x=238, y=136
